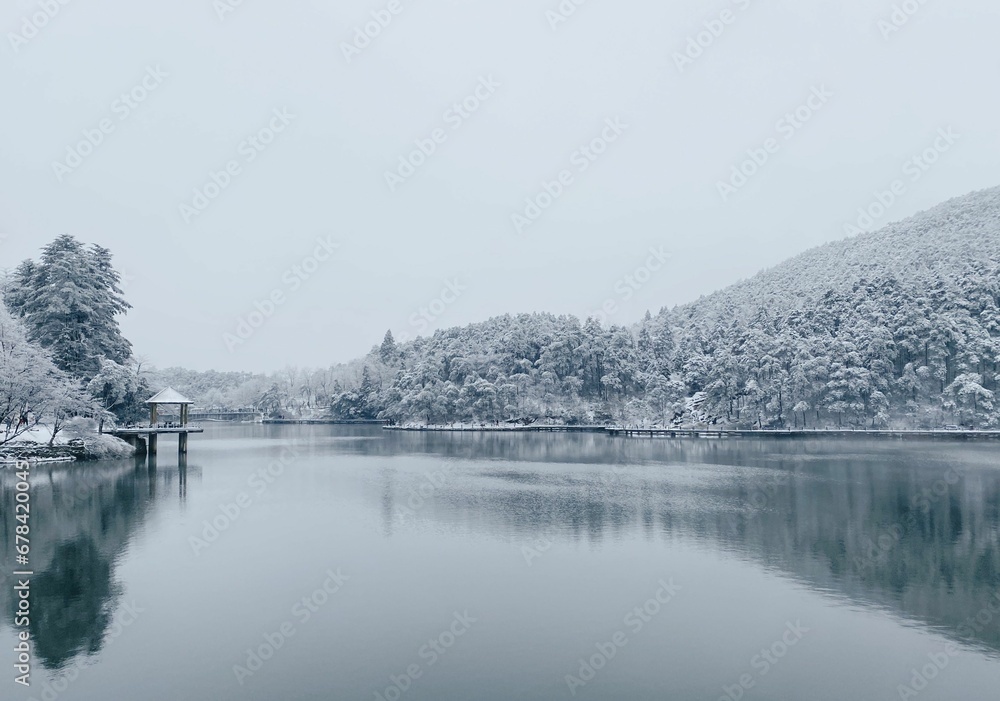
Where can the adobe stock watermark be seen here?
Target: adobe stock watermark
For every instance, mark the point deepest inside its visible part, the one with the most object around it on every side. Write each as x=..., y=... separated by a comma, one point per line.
x=761, y=496
x=126, y=279
x=292, y=280
x=635, y=620
x=225, y=7
x=899, y=17
x=365, y=34
x=626, y=287
x=429, y=653
x=454, y=117
x=764, y=661
x=921, y=677
x=122, y=618
x=122, y=107
x=302, y=611
x=582, y=159
x=230, y=512
x=786, y=127
x=714, y=28
x=619, y=469
x=614, y=475
x=562, y=13
x=426, y=315
x=537, y=546
x=914, y=168
x=32, y=25
x=877, y=550
x=976, y=624
x=220, y=181
x=420, y=495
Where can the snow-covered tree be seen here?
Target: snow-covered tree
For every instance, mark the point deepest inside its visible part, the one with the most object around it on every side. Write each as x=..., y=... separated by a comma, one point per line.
x=120, y=390
x=970, y=401
x=32, y=389
x=70, y=302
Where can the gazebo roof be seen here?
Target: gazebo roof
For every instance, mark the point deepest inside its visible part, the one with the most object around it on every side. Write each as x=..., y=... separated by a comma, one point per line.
x=169, y=396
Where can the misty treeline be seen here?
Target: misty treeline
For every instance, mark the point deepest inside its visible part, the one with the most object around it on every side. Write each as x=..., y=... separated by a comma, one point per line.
x=62, y=354
x=898, y=328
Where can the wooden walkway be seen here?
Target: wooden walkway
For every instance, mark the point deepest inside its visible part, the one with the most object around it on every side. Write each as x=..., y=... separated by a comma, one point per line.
x=147, y=430
x=145, y=438
x=349, y=422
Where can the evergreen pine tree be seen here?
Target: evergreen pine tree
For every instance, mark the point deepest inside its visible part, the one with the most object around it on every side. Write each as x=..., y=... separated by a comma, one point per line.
x=70, y=301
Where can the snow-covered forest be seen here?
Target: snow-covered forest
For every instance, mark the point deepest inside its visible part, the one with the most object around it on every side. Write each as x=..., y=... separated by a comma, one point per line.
x=896, y=328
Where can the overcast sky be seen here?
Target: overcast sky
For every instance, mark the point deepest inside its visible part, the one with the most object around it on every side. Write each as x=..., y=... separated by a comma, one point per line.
x=338, y=113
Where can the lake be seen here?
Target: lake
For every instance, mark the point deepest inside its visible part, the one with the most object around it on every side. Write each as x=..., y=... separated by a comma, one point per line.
x=347, y=562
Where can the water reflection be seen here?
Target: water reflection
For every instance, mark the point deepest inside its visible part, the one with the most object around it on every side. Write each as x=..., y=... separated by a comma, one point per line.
x=83, y=518
x=72, y=602
x=912, y=528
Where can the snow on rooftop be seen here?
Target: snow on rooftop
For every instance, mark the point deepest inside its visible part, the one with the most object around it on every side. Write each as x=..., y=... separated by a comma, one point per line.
x=169, y=396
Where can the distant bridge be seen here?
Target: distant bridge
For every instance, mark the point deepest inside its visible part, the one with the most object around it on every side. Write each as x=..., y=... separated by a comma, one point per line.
x=208, y=415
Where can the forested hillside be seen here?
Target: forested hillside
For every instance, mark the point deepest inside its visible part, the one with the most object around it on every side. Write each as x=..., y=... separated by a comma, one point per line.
x=900, y=327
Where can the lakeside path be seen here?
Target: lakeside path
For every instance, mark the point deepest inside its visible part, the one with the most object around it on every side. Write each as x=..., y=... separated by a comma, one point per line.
x=715, y=433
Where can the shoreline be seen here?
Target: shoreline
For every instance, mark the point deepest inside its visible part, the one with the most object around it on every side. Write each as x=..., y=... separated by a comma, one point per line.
x=346, y=422
x=37, y=453
x=618, y=431
x=102, y=447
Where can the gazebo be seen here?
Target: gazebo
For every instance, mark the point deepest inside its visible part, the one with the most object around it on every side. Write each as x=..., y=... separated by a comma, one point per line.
x=137, y=435
x=168, y=396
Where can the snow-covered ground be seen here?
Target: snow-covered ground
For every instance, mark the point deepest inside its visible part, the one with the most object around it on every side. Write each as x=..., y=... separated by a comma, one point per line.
x=98, y=446
x=43, y=434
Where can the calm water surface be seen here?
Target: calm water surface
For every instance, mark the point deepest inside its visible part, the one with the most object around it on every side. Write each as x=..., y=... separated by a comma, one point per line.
x=367, y=565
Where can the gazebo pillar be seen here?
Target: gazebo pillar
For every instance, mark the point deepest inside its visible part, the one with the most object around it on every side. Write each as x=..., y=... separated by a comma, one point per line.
x=182, y=439
x=153, y=419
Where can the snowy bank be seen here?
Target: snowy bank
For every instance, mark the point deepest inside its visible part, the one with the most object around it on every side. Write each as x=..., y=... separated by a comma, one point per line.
x=80, y=441
x=96, y=447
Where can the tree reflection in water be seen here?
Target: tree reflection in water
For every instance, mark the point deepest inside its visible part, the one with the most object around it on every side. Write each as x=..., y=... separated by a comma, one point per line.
x=83, y=517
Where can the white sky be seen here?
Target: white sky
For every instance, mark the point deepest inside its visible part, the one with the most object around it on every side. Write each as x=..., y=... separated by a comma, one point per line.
x=323, y=175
